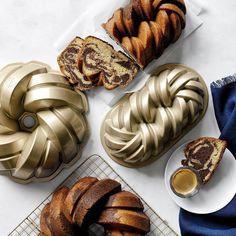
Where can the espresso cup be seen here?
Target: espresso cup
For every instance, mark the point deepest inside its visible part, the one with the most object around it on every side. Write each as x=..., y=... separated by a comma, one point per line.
x=185, y=182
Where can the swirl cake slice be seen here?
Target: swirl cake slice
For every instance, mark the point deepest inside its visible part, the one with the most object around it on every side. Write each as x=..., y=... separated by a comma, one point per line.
x=97, y=58
x=204, y=155
x=68, y=63
x=92, y=62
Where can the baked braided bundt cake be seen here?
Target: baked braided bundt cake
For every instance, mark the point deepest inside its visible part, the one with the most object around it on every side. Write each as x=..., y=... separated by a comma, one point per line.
x=72, y=210
x=93, y=62
x=146, y=27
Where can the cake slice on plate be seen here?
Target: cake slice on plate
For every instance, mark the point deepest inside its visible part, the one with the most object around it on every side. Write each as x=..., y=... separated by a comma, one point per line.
x=204, y=155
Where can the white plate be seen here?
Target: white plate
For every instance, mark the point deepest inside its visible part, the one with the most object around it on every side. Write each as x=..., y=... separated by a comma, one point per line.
x=214, y=195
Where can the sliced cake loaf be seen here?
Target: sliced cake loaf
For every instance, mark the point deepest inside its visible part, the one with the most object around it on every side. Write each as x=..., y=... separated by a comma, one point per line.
x=125, y=220
x=89, y=206
x=204, y=155
x=92, y=62
x=75, y=194
x=73, y=210
x=98, y=58
x=59, y=224
x=125, y=200
x=68, y=63
x=45, y=222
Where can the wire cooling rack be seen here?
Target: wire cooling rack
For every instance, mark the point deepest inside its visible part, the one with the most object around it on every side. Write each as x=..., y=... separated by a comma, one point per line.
x=97, y=167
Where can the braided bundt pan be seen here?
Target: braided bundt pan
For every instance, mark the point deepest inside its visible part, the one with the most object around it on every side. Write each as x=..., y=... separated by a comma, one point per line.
x=144, y=28
x=146, y=123
x=72, y=210
x=41, y=122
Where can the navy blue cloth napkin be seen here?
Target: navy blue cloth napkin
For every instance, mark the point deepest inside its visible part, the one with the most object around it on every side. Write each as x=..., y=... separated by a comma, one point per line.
x=223, y=222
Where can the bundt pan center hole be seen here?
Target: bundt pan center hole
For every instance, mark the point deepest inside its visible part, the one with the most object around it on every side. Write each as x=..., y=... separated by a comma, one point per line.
x=28, y=122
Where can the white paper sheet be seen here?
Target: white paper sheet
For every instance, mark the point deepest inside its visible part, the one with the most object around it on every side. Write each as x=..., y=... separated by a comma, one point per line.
x=89, y=23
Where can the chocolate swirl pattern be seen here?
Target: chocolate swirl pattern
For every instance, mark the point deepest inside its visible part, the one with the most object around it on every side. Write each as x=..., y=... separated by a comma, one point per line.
x=92, y=62
x=41, y=121
x=146, y=27
x=68, y=63
x=142, y=126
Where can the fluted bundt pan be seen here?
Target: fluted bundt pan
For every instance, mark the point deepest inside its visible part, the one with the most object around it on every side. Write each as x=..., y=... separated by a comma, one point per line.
x=42, y=122
x=147, y=123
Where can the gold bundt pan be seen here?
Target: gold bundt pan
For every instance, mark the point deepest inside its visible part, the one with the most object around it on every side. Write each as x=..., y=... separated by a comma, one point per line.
x=41, y=122
x=145, y=124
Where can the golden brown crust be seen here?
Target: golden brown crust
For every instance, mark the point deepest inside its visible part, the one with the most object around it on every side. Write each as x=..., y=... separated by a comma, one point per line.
x=180, y=3
x=147, y=39
x=138, y=9
x=157, y=3
x=147, y=9
x=118, y=19
x=139, y=51
x=45, y=222
x=176, y=24
x=168, y=14
x=162, y=19
x=124, y=200
x=112, y=29
x=76, y=192
x=158, y=37
x=129, y=18
x=127, y=44
x=87, y=208
x=120, y=212
x=59, y=223
x=174, y=8
x=125, y=220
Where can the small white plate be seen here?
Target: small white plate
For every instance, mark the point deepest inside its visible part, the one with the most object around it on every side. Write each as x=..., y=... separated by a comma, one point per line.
x=215, y=194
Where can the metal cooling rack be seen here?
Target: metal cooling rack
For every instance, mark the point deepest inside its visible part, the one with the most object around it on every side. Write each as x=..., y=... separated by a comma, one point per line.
x=97, y=167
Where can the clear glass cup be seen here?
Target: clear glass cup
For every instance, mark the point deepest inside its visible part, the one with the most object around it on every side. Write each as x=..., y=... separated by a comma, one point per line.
x=185, y=182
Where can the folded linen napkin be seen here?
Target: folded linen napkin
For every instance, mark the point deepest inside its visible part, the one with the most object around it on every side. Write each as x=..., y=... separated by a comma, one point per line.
x=223, y=222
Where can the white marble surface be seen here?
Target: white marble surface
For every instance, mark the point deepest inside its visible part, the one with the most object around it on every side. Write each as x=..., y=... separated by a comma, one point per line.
x=28, y=30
